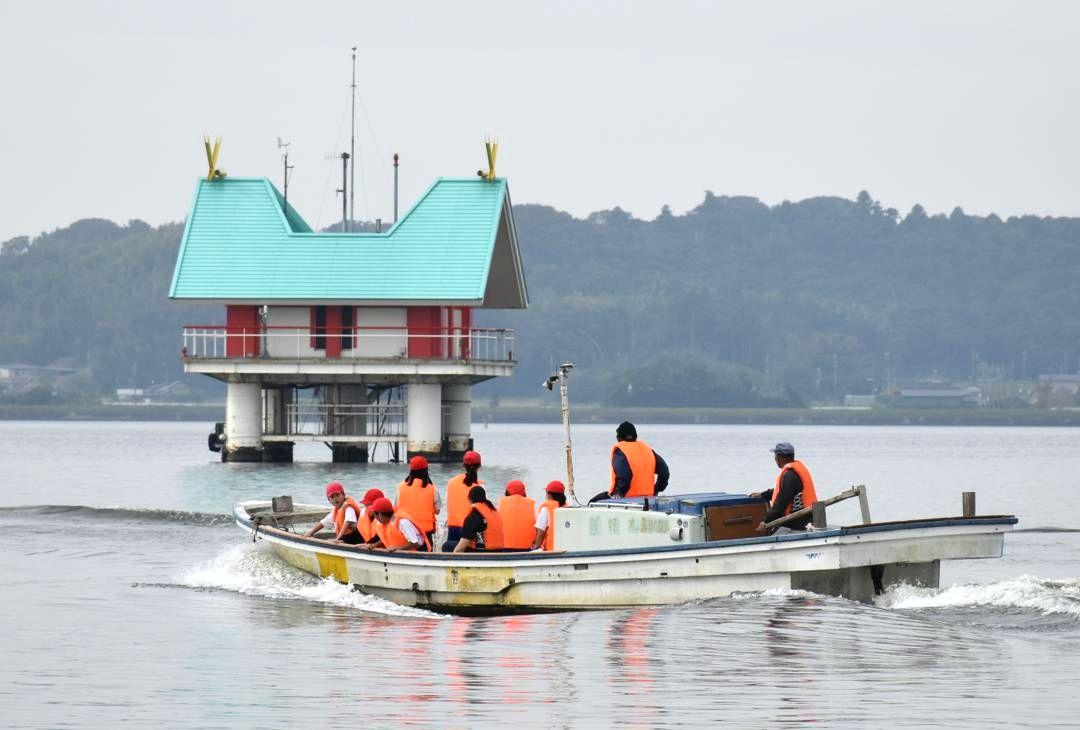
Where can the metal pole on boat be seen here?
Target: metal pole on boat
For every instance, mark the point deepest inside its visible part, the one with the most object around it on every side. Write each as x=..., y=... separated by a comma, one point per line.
x=562, y=376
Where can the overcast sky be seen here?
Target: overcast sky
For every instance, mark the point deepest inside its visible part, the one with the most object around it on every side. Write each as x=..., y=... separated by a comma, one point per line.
x=596, y=105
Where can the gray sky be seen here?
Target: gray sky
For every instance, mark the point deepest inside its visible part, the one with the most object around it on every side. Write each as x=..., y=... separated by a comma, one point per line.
x=595, y=105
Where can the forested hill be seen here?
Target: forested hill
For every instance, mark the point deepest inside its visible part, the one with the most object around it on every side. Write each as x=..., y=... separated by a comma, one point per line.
x=733, y=303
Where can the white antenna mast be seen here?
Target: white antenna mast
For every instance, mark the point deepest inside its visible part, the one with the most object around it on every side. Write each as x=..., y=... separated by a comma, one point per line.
x=352, y=145
x=561, y=376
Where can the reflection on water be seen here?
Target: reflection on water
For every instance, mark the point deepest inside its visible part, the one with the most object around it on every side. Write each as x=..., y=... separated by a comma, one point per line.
x=630, y=665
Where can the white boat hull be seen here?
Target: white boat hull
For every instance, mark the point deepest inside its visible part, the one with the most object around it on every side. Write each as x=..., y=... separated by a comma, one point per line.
x=838, y=562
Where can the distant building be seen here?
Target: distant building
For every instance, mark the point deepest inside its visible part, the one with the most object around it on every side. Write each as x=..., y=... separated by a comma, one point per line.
x=158, y=393
x=129, y=394
x=938, y=397
x=860, y=401
x=19, y=378
x=1058, y=390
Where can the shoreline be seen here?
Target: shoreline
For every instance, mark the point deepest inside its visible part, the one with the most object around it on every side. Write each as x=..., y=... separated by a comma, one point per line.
x=583, y=414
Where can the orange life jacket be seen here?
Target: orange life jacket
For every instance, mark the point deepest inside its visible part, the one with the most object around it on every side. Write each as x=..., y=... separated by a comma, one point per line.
x=493, y=535
x=391, y=534
x=339, y=515
x=366, y=525
x=418, y=500
x=642, y=463
x=518, y=515
x=809, y=496
x=457, y=500
x=549, y=539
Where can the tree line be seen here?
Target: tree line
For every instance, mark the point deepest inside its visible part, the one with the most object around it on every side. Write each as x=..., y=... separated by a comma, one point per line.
x=734, y=303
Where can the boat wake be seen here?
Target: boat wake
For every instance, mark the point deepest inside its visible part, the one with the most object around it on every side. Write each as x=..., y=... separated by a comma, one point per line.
x=254, y=571
x=1057, y=599
x=116, y=514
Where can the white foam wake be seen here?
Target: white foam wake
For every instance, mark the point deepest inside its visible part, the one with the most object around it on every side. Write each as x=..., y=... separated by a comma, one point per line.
x=772, y=593
x=1049, y=597
x=253, y=571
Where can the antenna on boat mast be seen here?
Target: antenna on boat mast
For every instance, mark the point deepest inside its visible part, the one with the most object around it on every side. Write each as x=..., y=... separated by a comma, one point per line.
x=561, y=376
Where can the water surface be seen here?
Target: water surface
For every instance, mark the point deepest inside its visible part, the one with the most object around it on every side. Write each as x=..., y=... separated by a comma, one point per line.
x=128, y=596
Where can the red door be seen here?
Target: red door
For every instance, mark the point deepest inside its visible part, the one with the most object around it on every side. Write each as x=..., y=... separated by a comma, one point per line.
x=424, y=327
x=242, y=330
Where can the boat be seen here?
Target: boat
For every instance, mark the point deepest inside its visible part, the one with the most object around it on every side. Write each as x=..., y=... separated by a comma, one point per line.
x=624, y=553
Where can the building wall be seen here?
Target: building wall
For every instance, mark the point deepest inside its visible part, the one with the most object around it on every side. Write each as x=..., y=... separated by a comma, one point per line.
x=286, y=342
x=381, y=333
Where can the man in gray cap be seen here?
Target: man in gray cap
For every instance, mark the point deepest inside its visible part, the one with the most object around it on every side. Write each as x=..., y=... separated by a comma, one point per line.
x=794, y=489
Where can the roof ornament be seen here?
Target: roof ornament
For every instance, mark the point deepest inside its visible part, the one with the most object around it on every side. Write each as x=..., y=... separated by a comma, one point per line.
x=212, y=158
x=491, y=145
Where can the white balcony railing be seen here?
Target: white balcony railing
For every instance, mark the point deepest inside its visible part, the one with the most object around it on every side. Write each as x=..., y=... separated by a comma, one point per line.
x=357, y=343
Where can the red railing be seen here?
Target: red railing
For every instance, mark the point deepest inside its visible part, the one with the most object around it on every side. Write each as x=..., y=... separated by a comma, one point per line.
x=357, y=342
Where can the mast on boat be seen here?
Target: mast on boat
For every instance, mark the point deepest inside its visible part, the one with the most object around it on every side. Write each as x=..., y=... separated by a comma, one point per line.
x=562, y=376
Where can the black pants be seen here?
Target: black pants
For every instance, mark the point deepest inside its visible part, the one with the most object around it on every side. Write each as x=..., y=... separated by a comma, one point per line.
x=353, y=538
x=453, y=534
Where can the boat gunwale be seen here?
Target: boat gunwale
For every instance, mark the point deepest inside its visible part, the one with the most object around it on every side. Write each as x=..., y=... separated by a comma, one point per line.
x=244, y=520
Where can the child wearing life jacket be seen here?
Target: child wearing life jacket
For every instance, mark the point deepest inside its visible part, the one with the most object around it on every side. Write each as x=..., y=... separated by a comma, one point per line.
x=483, y=528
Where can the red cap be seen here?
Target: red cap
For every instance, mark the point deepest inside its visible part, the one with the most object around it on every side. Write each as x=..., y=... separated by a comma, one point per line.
x=382, y=504
x=471, y=458
x=557, y=487
x=515, y=486
x=370, y=496
x=418, y=462
x=334, y=488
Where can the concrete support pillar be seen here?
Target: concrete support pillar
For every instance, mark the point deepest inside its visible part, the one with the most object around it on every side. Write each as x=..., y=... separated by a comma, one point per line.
x=458, y=425
x=243, y=423
x=424, y=419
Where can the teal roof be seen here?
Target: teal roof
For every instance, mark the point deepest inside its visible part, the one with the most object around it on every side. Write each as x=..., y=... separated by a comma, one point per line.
x=457, y=244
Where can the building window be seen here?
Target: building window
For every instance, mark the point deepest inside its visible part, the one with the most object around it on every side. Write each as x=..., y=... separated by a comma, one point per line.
x=347, y=322
x=318, y=328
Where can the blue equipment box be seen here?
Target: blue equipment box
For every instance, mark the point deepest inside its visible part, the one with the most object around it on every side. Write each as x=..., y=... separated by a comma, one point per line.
x=689, y=504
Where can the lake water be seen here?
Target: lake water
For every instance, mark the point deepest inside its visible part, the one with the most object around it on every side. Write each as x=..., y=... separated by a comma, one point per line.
x=129, y=597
